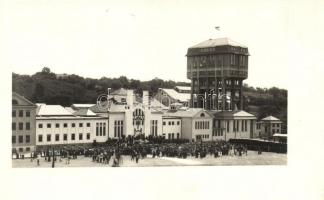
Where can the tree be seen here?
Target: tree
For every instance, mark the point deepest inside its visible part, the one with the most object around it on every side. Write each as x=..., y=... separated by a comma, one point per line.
x=46, y=70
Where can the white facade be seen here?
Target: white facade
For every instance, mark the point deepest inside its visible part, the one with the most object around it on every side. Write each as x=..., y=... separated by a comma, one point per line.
x=171, y=127
x=71, y=130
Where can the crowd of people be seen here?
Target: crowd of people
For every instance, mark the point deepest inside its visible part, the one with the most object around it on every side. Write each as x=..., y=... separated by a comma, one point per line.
x=112, y=154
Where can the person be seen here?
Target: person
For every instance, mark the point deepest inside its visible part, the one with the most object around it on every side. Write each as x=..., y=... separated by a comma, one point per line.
x=38, y=157
x=137, y=158
x=115, y=163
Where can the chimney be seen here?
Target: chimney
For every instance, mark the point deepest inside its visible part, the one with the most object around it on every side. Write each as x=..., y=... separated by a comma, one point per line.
x=145, y=98
x=129, y=97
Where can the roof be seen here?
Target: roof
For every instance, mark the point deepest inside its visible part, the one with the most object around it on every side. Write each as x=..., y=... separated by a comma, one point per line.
x=155, y=103
x=82, y=105
x=192, y=112
x=69, y=109
x=232, y=114
x=102, y=109
x=183, y=97
x=188, y=88
x=280, y=135
x=121, y=92
x=53, y=110
x=22, y=100
x=270, y=118
x=84, y=112
x=218, y=42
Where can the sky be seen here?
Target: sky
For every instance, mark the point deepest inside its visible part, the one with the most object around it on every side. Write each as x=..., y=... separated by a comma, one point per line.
x=148, y=39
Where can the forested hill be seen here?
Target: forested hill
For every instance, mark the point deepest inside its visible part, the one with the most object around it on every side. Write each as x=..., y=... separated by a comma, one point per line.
x=51, y=88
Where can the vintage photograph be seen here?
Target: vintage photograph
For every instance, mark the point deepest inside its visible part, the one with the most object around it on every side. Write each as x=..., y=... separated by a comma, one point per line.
x=99, y=85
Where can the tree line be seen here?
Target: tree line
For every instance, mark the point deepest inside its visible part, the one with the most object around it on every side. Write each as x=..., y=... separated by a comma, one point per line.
x=48, y=87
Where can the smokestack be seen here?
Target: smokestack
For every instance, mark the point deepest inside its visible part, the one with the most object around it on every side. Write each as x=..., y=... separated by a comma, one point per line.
x=129, y=97
x=145, y=98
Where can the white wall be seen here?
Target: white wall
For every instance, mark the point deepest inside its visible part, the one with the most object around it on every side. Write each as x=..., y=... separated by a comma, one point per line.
x=69, y=131
x=166, y=129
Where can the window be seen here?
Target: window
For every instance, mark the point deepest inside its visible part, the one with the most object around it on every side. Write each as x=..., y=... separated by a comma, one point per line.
x=65, y=137
x=49, y=125
x=172, y=122
x=118, y=128
x=57, y=137
x=65, y=125
x=169, y=136
x=27, y=126
x=80, y=136
x=28, y=149
x=48, y=137
x=278, y=125
x=227, y=126
x=14, y=113
x=57, y=125
x=154, y=127
x=21, y=113
x=13, y=125
x=277, y=130
x=245, y=125
x=40, y=138
x=88, y=124
x=20, y=139
x=104, y=129
x=27, y=113
x=21, y=126
x=242, y=125
x=163, y=123
x=27, y=138
x=80, y=124
x=172, y=136
x=21, y=149
x=14, y=102
x=73, y=124
x=88, y=136
x=40, y=125
x=178, y=135
x=97, y=129
x=100, y=129
x=273, y=125
x=72, y=136
x=13, y=139
x=169, y=123
x=178, y=122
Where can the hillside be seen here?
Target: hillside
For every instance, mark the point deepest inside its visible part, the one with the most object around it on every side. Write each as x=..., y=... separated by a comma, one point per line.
x=51, y=88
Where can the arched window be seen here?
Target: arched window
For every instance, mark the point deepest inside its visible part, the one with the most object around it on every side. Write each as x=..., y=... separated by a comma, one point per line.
x=202, y=115
x=14, y=102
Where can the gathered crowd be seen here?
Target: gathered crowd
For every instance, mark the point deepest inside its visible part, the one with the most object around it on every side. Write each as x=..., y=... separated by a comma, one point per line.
x=112, y=154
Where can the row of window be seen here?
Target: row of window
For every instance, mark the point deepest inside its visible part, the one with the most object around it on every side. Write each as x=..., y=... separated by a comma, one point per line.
x=198, y=137
x=202, y=125
x=118, y=128
x=20, y=126
x=275, y=131
x=20, y=113
x=100, y=129
x=22, y=149
x=65, y=125
x=218, y=132
x=171, y=123
x=276, y=124
x=154, y=127
x=65, y=137
x=20, y=139
x=171, y=136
